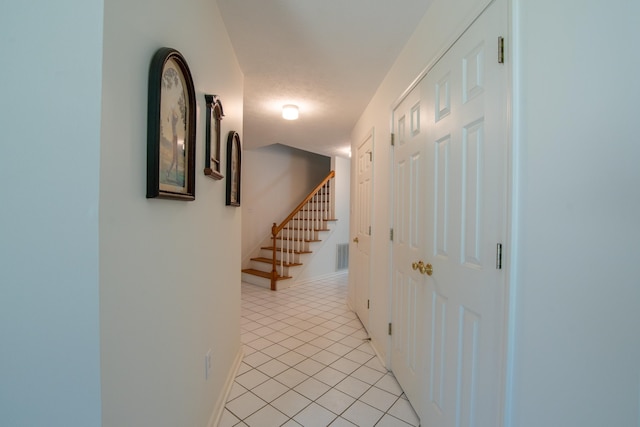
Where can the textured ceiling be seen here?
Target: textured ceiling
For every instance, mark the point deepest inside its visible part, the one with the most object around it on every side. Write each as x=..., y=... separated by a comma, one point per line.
x=326, y=56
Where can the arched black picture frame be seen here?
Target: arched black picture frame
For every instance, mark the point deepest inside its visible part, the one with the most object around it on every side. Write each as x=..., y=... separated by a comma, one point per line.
x=171, y=128
x=234, y=168
x=213, y=157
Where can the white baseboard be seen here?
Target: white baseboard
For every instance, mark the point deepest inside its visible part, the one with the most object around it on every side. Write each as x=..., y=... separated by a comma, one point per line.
x=218, y=410
x=372, y=342
x=379, y=355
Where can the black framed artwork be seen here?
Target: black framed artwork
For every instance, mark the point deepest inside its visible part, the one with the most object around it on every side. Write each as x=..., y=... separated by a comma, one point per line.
x=212, y=155
x=234, y=168
x=171, y=128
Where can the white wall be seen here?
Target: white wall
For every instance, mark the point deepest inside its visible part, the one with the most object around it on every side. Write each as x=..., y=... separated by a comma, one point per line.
x=576, y=91
x=275, y=180
x=442, y=22
x=169, y=270
x=325, y=252
x=50, y=119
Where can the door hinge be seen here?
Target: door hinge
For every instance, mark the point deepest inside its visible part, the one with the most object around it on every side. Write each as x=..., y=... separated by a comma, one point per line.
x=500, y=50
x=368, y=305
x=499, y=256
x=389, y=328
x=391, y=234
x=393, y=139
x=370, y=156
x=369, y=230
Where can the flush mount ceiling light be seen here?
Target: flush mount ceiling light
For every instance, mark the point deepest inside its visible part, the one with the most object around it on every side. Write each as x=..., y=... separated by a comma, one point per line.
x=290, y=112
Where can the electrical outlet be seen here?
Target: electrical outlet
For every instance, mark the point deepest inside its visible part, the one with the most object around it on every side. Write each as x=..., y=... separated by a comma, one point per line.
x=207, y=364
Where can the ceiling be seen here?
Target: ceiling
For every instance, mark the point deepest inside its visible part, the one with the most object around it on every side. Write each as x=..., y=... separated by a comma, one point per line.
x=326, y=56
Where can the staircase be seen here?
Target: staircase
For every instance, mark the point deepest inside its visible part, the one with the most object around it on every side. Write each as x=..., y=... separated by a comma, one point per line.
x=290, y=244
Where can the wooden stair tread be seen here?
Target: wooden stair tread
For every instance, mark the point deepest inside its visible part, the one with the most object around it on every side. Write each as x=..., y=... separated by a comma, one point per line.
x=268, y=261
x=266, y=275
x=307, y=229
x=293, y=239
x=310, y=219
x=270, y=248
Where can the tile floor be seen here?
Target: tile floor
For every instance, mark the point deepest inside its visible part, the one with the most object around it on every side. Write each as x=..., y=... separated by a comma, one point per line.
x=307, y=363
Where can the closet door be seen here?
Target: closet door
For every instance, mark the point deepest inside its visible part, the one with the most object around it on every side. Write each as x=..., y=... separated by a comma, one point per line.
x=409, y=297
x=362, y=239
x=456, y=199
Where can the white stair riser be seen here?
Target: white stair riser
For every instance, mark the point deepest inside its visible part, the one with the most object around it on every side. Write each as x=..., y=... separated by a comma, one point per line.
x=314, y=235
x=308, y=224
x=256, y=280
x=297, y=246
x=262, y=266
x=266, y=253
x=266, y=283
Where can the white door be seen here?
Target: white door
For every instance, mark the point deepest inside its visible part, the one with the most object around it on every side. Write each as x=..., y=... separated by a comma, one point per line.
x=409, y=245
x=464, y=122
x=362, y=239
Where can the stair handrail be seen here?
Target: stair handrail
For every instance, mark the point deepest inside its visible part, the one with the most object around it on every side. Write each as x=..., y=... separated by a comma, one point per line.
x=276, y=229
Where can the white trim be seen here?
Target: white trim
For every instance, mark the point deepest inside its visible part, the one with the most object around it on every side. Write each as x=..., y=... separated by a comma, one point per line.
x=390, y=243
x=513, y=204
x=438, y=56
x=218, y=410
x=381, y=359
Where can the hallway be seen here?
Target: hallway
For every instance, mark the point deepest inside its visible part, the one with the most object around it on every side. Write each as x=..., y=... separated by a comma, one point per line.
x=307, y=363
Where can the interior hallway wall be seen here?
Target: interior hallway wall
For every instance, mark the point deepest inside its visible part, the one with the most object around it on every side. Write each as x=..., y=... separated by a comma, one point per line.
x=576, y=348
x=50, y=80
x=169, y=270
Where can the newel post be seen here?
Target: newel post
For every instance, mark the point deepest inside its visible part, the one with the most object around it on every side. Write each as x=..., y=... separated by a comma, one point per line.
x=274, y=271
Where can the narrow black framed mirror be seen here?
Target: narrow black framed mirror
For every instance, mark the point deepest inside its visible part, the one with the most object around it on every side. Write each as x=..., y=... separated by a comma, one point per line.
x=212, y=157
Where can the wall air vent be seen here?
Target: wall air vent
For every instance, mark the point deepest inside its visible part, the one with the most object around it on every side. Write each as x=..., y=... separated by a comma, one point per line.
x=342, y=256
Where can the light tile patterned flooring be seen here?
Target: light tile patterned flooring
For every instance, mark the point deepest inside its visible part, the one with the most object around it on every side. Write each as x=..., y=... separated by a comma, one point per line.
x=307, y=362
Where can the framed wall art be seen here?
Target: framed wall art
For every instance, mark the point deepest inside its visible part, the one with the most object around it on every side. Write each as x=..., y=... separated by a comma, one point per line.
x=212, y=156
x=234, y=168
x=171, y=128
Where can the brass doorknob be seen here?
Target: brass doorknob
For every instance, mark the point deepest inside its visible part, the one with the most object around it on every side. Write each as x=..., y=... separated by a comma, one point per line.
x=427, y=269
x=423, y=268
x=355, y=239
